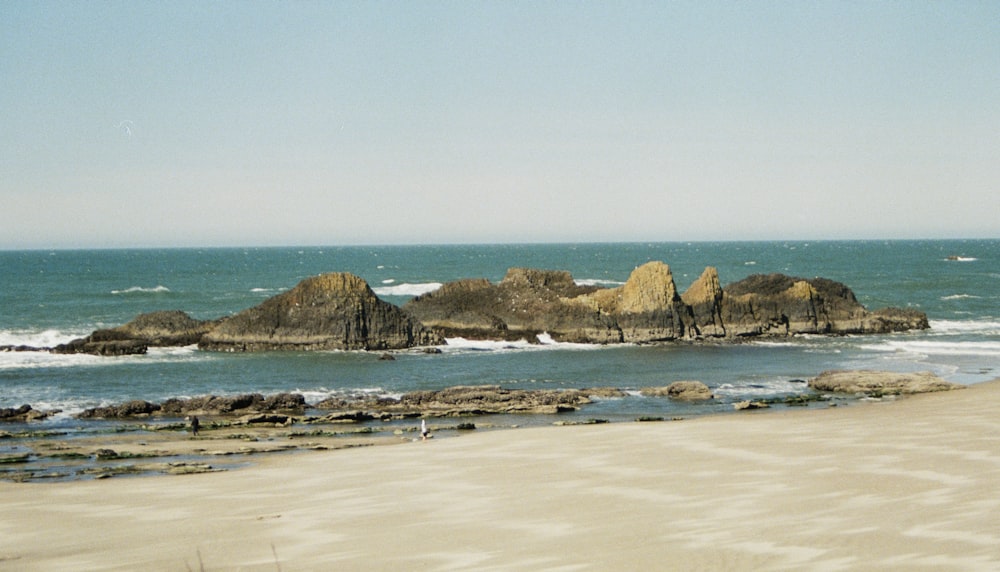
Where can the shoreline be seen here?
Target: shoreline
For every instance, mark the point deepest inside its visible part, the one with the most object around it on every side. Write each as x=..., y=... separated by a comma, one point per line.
x=911, y=483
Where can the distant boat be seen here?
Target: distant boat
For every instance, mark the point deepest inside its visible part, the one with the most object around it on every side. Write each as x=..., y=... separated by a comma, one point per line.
x=955, y=257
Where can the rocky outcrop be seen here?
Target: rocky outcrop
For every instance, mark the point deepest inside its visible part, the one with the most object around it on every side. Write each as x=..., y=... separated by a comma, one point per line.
x=101, y=348
x=156, y=329
x=165, y=328
x=25, y=413
x=681, y=390
x=339, y=311
x=647, y=308
x=879, y=383
x=243, y=404
x=465, y=400
x=335, y=311
x=525, y=303
x=134, y=408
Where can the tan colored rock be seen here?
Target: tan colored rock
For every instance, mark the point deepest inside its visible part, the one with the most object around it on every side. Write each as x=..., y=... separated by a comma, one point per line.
x=705, y=296
x=680, y=390
x=880, y=382
x=649, y=288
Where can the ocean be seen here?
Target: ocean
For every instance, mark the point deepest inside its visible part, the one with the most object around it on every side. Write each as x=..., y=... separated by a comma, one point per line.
x=50, y=297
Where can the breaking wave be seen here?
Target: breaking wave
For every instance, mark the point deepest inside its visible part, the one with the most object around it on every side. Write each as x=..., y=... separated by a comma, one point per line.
x=142, y=290
x=407, y=289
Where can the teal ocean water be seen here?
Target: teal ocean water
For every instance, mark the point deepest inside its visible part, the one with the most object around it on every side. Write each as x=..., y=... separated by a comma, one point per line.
x=50, y=297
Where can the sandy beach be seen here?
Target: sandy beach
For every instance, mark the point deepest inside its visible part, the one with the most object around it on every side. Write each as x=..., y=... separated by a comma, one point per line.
x=906, y=484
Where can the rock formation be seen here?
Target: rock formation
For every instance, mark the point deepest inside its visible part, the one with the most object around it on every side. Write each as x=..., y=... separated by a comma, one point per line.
x=25, y=413
x=339, y=311
x=647, y=308
x=158, y=329
x=878, y=383
x=155, y=329
x=243, y=404
x=681, y=390
x=336, y=311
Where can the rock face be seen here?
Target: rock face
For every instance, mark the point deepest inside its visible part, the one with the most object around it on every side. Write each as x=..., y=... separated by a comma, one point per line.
x=880, y=382
x=331, y=311
x=648, y=308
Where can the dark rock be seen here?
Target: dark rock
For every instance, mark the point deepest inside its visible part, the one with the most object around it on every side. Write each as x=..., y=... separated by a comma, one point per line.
x=164, y=328
x=134, y=408
x=331, y=311
x=268, y=418
x=284, y=402
x=102, y=348
x=25, y=413
x=465, y=400
x=647, y=308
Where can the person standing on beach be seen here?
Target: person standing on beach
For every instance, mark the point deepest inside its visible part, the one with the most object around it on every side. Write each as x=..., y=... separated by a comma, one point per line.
x=424, y=432
x=195, y=424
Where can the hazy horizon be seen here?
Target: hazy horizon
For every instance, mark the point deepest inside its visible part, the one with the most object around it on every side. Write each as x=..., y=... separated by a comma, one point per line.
x=258, y=124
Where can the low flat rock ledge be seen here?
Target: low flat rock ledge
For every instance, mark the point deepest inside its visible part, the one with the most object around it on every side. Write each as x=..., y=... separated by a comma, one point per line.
x=449, y=402
x=681, y=391
x=879, y=383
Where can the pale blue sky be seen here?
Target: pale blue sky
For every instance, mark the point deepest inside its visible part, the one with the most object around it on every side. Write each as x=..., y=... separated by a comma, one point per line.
x=288, y=123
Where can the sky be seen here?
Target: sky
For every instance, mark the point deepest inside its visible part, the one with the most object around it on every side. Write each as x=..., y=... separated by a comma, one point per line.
x=148, y=124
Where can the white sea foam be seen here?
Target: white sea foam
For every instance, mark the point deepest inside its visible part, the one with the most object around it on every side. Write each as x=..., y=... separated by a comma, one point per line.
x=43, y=339
x=950, y=327
x=598, y=282
x=928, y=348
x=389, y=281
x=463, y=344
x=407, y=289
x=545, y=342
x=316, y=395
x=35, y=360
x=759, y=388
x=142, y=290
x=961, y=297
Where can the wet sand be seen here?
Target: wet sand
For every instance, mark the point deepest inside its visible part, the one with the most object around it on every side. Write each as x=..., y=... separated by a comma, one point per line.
x=910, y=484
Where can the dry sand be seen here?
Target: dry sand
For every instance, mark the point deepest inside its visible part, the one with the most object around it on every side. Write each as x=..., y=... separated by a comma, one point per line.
x=908, y=485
